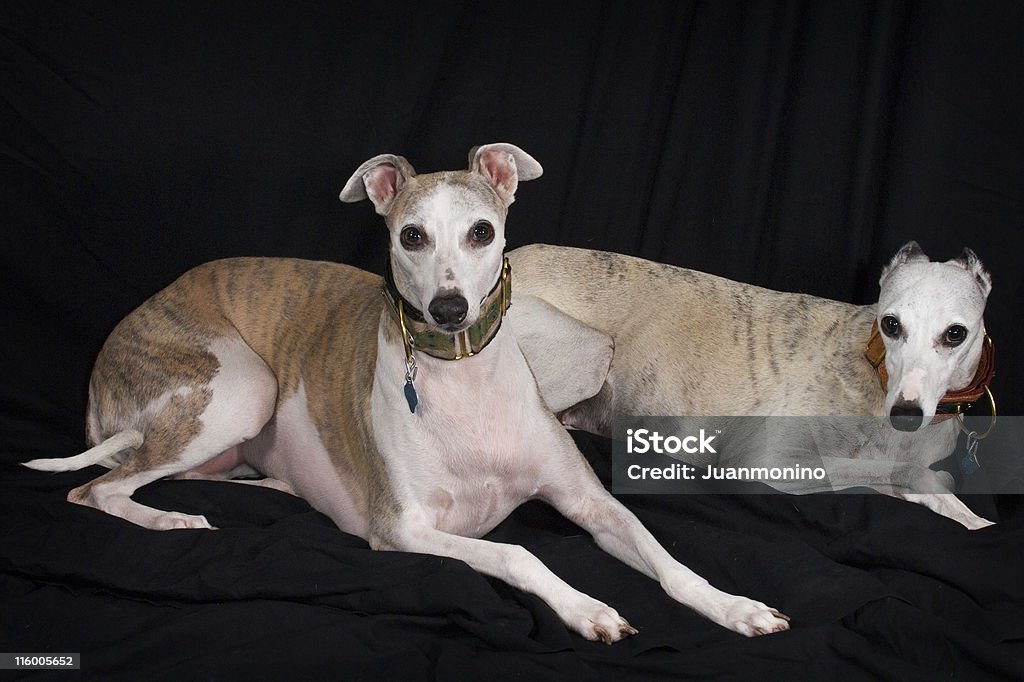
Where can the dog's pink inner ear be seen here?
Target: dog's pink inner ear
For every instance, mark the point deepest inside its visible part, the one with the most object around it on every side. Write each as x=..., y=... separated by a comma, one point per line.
x=382, y=183
x=499, y=169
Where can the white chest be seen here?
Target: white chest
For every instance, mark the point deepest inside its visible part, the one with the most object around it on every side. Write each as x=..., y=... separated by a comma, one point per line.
x=475, y=448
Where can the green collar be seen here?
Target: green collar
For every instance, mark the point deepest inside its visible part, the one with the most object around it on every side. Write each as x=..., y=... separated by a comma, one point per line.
x=418, y=334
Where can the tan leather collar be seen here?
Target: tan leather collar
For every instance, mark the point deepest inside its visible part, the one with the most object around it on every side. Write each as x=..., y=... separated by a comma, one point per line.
x=418, y=334
x=953, y=402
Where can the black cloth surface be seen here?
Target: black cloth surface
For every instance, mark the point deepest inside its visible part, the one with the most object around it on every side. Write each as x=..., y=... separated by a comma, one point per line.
x=877, y=589
x=794, y=145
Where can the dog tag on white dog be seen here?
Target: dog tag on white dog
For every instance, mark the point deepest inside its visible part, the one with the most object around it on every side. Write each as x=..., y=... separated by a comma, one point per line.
x=410, y=388
x=410, y=395
x=969, y=461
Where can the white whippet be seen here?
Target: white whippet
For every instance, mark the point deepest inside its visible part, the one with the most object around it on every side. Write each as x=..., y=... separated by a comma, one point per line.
x=301, y=371
x=689, y=343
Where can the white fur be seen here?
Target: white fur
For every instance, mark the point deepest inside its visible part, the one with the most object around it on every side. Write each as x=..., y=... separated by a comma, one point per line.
x=482, y=441
x=243, y=395
x=690, y=343
x=927, y=298
x=103, y=453
x=289, y=449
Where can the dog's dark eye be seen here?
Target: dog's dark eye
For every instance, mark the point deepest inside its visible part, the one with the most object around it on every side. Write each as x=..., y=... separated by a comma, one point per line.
x=482, y=233
x=890, y=326
x=411, y=237
x=955, y=335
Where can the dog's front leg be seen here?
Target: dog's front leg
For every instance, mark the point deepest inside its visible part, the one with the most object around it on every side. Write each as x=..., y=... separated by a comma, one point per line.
x=948, y=505
x=516, y=566
x=910, y=481
x=582, y=499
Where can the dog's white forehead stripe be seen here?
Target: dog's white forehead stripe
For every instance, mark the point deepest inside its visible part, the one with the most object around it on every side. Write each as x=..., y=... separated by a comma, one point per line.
x=455, y=207
x=939, y=293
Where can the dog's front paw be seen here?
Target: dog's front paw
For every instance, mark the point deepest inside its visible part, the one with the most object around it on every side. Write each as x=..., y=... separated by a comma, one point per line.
x=597, y=621
x=177, y=520
x=752, y=618
x=949, y=505
x=975, y=522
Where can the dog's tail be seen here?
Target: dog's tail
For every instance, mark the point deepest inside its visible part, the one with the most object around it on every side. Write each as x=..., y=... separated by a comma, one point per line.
x=100, y=454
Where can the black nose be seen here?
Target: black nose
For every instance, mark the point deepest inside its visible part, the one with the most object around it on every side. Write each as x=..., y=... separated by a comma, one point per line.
x=906, y=416
x=448, y=309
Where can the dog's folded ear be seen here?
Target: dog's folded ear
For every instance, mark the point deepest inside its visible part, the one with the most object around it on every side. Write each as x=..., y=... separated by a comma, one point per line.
x=503, y=165
x=909, y=253
x=970, y=262
x=380, y=179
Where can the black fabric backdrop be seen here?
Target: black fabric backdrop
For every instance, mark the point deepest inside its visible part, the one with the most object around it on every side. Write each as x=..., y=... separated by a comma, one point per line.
x=788, y=144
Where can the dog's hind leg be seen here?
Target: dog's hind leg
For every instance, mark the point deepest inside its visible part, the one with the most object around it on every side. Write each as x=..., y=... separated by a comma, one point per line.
x=546, y=336
x=190, y=428
x=230, y=466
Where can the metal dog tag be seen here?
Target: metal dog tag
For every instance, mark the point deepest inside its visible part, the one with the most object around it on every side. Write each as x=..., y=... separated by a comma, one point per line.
x=410, y=388
x=410, y=396
x=969, y=460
